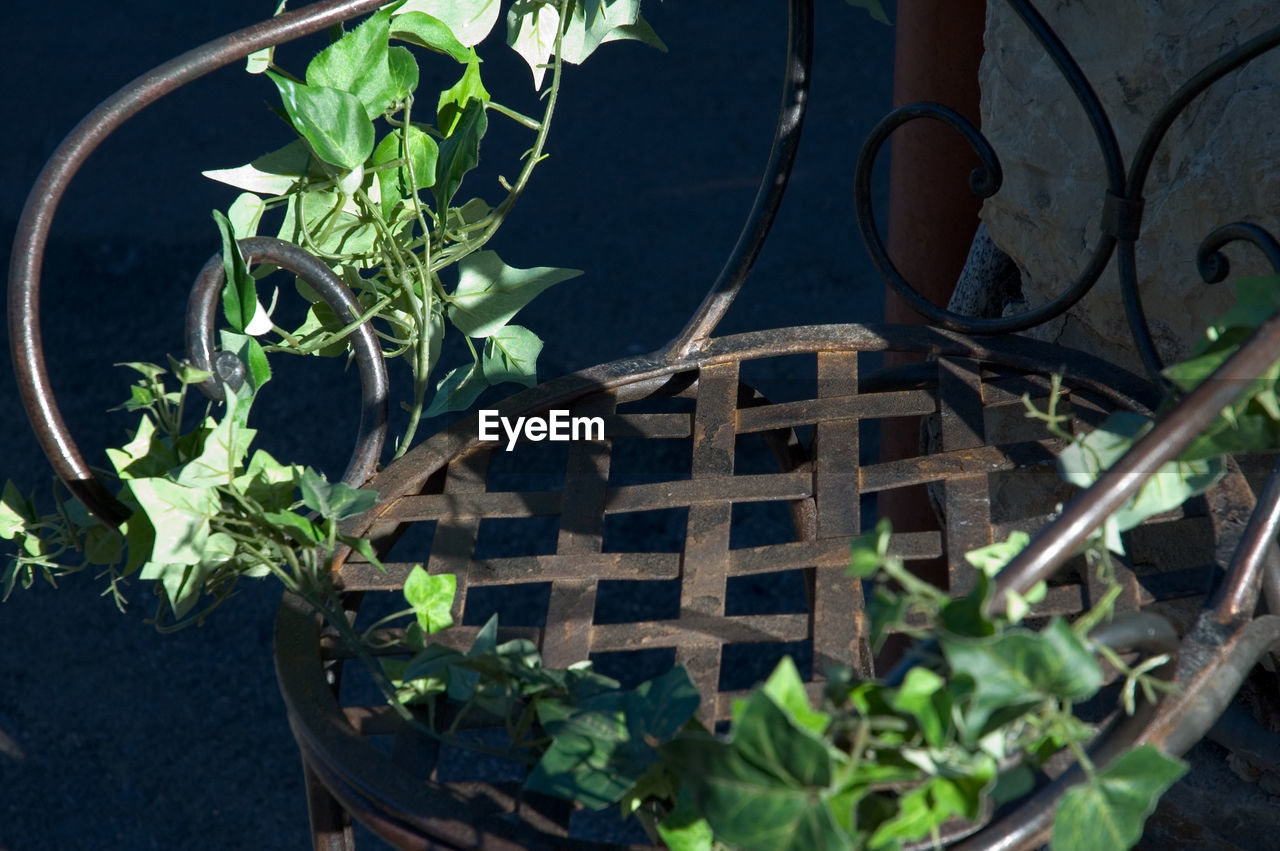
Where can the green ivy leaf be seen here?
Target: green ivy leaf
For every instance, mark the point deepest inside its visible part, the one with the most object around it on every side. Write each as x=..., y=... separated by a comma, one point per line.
x=684, y=828
x=992, y=558
x=468, y=20
x=15, y=511
x=606, y=745
x=460, y=152
x=245, y=213
x=273, y=174
x=357, y=64
x=334, y=500
x=220, y=458
x=885, y=610
x=240, y=294
x=764, y=807
x=1107, y=813
x=1017, y=669
x=334, y=122
x=870, y=549
x=1090, y=456
x=301, y=528
x=490, y=292
x=531, y=32
x=453, y=101
x=874, y=8
x=403, y=69
x=457, y=390
x=430, y=32
x=145, y=456
x=786, y=689
x=431, y=598
x=422, y=154
x=332, y=224
x=594, y=22
x=180, y=516
x=268, y=482
x=585, y=760
x=923, y=696
x=260, y=60
x=251, y=354
x=511, y=354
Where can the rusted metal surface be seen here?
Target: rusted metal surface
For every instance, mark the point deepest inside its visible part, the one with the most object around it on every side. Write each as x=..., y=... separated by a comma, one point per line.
x=441, y=494
x=832, y=479
x=27, y=259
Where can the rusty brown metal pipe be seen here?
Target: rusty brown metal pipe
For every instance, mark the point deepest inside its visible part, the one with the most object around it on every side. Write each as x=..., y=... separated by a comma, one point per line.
x=27, y=259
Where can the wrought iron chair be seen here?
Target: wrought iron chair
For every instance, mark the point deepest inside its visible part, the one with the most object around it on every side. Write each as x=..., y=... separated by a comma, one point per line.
x=688, y=402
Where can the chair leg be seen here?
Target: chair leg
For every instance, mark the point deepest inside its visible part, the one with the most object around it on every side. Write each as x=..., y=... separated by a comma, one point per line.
x=330, y=823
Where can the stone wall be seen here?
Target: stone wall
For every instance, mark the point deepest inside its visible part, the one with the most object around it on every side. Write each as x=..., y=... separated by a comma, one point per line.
x=1219, y=163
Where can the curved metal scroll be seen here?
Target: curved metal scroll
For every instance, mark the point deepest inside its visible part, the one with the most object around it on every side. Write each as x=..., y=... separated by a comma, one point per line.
x=32, y=236
x=985, y=182
x=1122, y=204
x=1213, y=264
x=202, y=313
x=1142, y=161
x=786, y=140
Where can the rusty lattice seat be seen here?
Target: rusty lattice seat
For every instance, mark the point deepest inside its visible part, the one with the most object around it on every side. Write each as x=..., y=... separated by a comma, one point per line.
x=441, y=495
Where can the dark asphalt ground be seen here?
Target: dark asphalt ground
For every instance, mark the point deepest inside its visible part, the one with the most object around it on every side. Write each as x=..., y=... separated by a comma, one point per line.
x=114, y=737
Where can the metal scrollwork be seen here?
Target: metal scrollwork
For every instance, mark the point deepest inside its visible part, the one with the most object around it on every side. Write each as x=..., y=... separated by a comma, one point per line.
x=202, y=313
x=1121, y=213
x=32, y=236
x=1213, y=264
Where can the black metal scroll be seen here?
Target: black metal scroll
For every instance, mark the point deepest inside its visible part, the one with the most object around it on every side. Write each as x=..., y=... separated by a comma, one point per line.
x=1120, y=215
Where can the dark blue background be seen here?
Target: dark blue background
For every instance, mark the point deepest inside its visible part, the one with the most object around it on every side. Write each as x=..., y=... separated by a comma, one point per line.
x=114, y=737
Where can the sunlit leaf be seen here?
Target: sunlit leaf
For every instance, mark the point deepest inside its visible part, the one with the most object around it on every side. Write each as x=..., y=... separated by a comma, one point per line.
x=239, y=294
x=764, y=808
x=531, y=32
x=1107, y=813
x=511, y=354
x=330, y=226
x=275, y=173
x=357, y=64
x=422, y=154
x=430, y=32
x=431, y=597
x=1015, y=670
x=469, y=20
x=334, y=500
x=787, y=690
x=334, y=122
x=490, y=292
x=403, y=70
x=923, y=696
x=180, y=516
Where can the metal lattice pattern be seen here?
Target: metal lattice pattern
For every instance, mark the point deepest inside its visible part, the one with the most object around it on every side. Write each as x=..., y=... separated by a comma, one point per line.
x=703, y=417
x=824, y=485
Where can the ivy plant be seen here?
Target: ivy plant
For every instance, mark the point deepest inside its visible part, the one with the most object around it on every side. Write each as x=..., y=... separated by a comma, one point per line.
x=374, y=183
x=983, y=704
